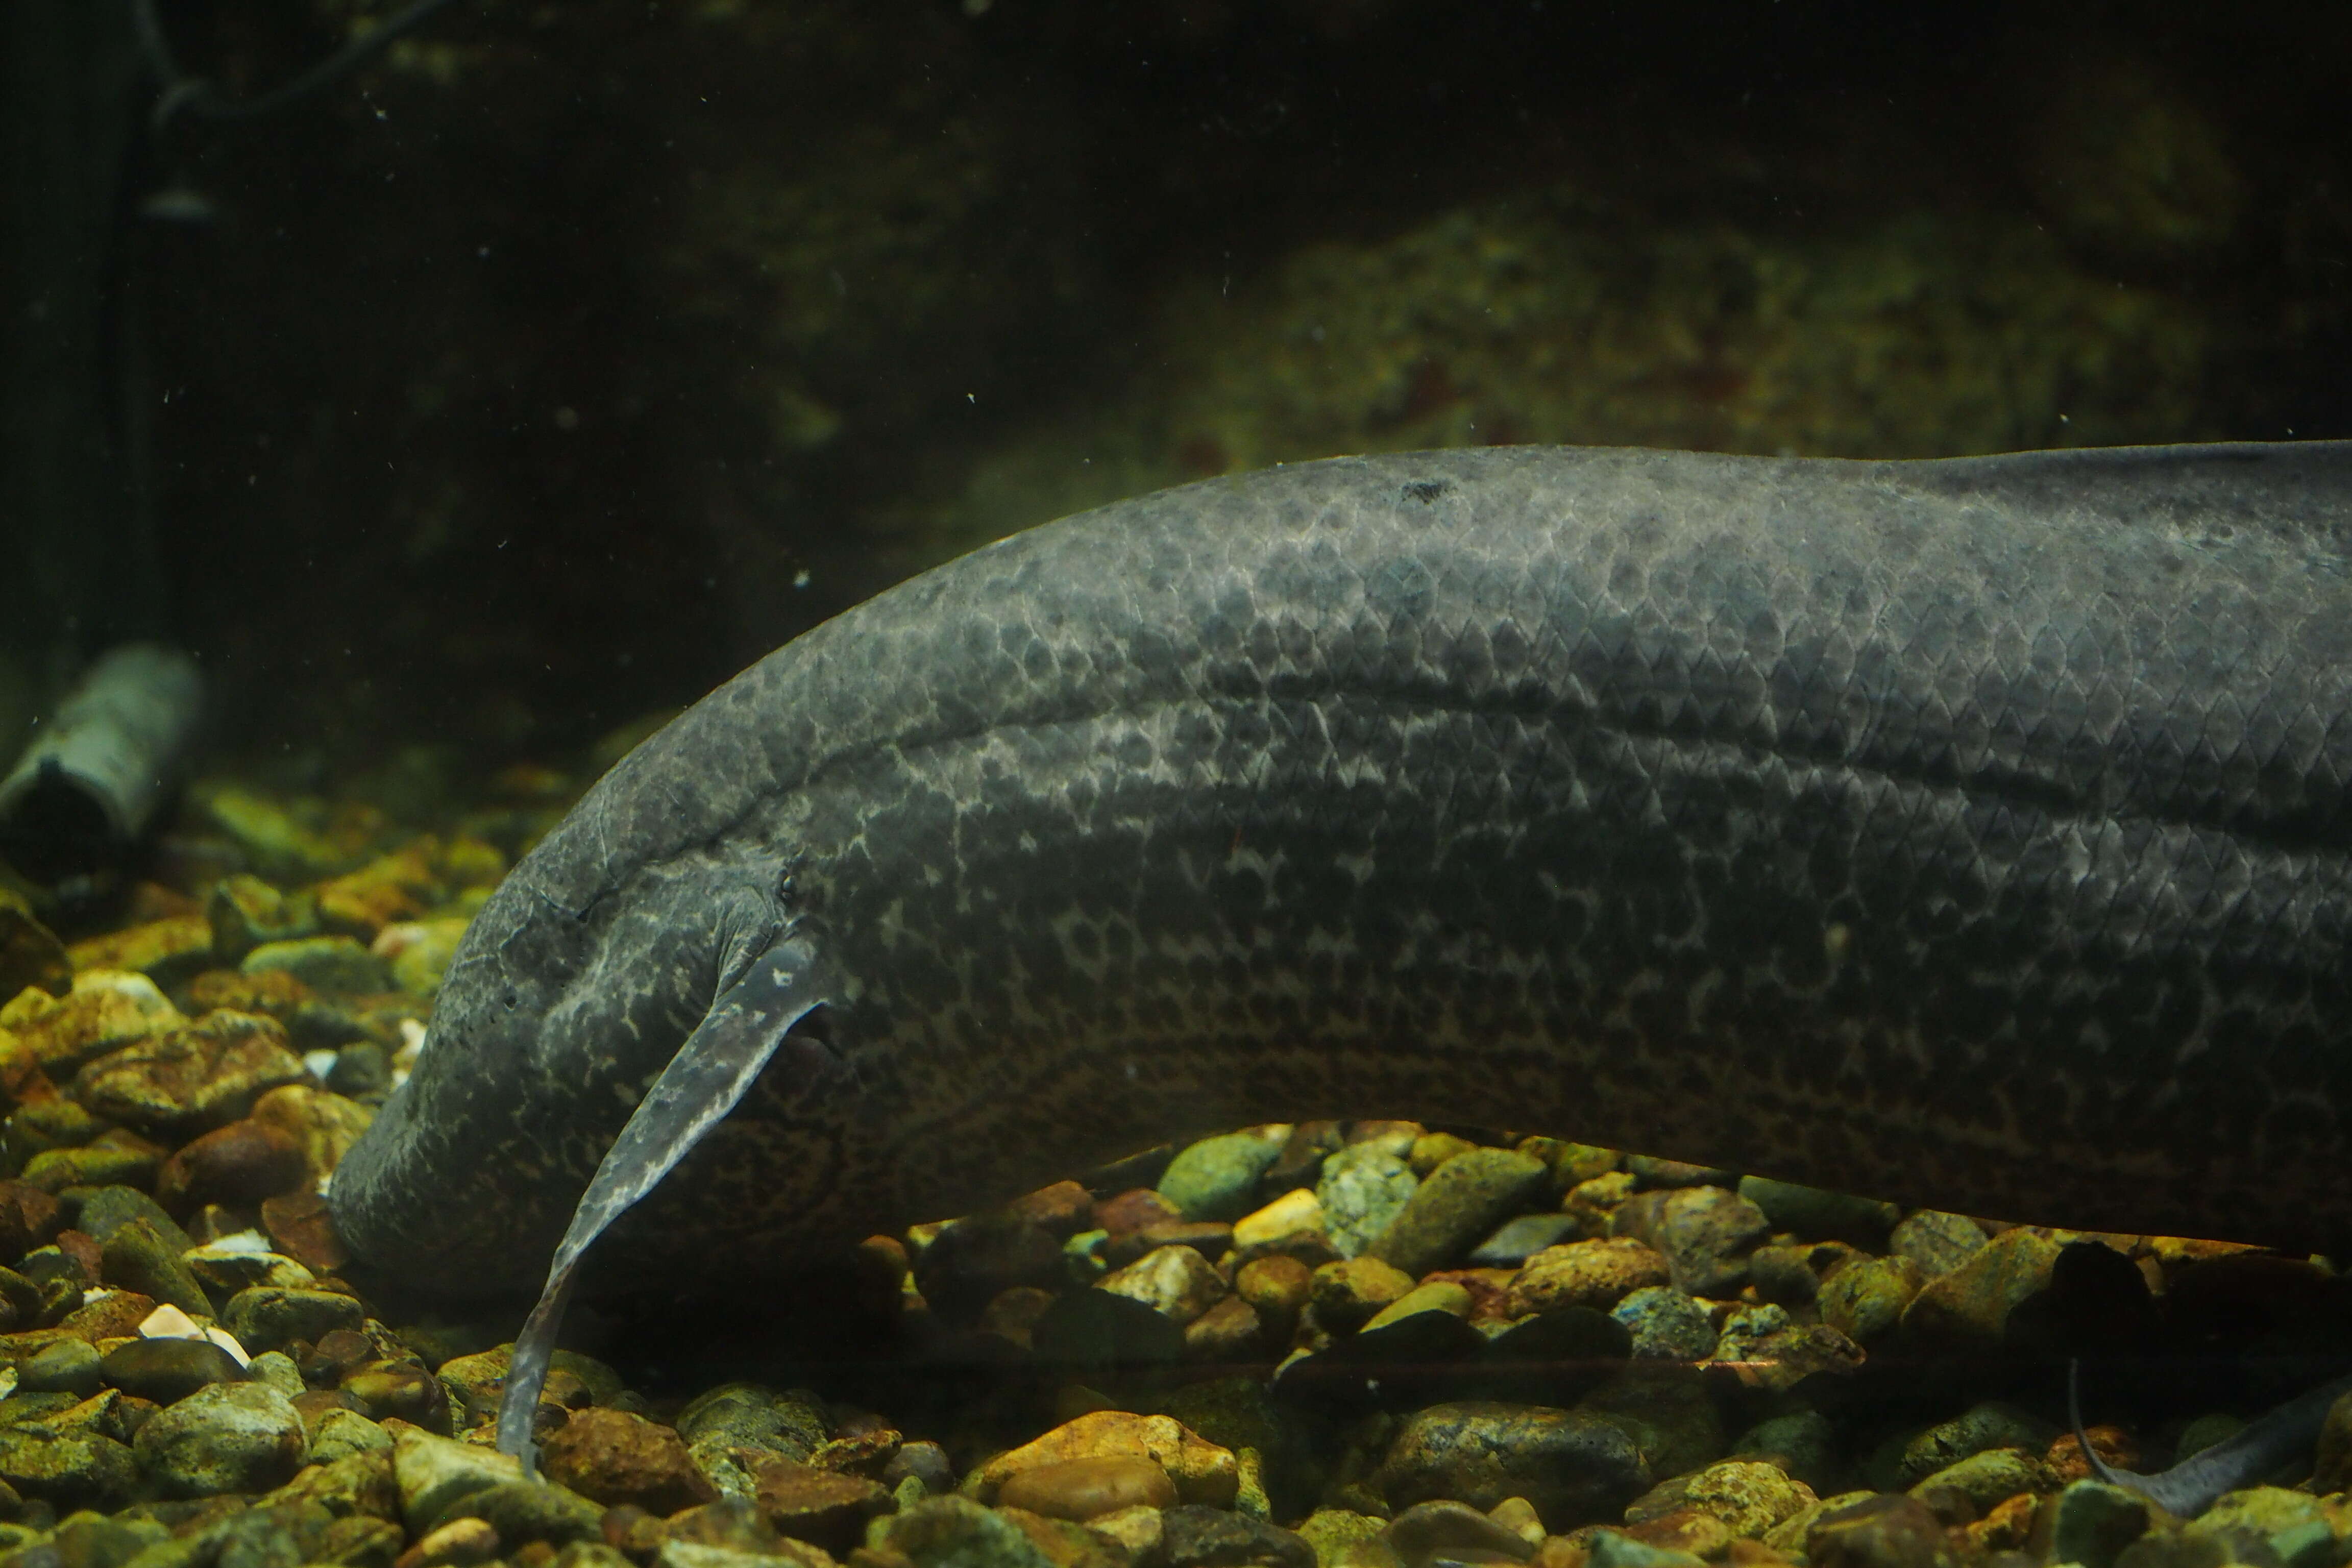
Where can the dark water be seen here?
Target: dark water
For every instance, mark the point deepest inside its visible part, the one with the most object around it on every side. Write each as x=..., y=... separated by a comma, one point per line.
x=469, y=414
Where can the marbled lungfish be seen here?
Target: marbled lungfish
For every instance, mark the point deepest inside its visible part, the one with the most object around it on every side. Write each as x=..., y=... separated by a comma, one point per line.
x=1970, y=833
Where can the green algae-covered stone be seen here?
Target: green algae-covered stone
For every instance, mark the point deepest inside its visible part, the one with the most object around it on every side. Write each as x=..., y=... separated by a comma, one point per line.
x=1457, y=1205
x=1216, y=1178
x=224, y=1437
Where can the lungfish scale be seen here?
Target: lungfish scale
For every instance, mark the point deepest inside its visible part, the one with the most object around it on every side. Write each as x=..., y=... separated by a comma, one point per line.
x=1968, y=833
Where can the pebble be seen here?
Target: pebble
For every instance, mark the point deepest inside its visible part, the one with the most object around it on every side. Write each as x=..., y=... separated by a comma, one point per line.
x=355, y=1484
x=1193, y=1536
x=1613, y=1549
x=390, y=887
x=338, y=1434
x=791, y=1422
x=474, y=1383
x=94, y=1543
x=224, y=1437
x=1290, y=1222
x=337, y=964
x=1573, y=1465
x=1345, y=1295
x=21, y=1300
x=459, y=1543
x=822, y=1507
x=1456, y=1205
x=1596, y=1274
x=1986, y=1477
x=44, y=1122
x=1332, y=1532
x=167, y=951
x=2290, y=1526
x=242, y=1163
x=236, y=1262
x=611, y=1457
x=431, y=1474
x=1879, y=1531
x=1300, y=1163
x=1746, y=1497
x=322, y=1124
x=1653, y=1172
x=361, y=1069
x=298, y=1225
x=1938, y=1242
x=271, y=1317
x=1595, y=1202
x=1278, y=1287
x=168, y=1370
x=926, y=1462
x=729, y=1524
x=405, y=1390
x=1864, y=1301
x=1202, y=1471
x=1217, y=1178
x=1135, y=1530
x=1770, y=1351
x=1432, y=1150
x=1706, y=1233
x=1570, y=1162
x=1132, y=1210
x=1784, y=1275
x=1989, y=1425
x=106, y=1011
x=136, y=1256
x=1815, y=1214
x=1397, y=1137
x=1520, y=1237
x=1212, y=1238
x=1082, y=1489
x=1447, y=1296
x=420, y=952
x=116, y=1314
x=2093, y=1522
x=1972, y=1302
x=1489, y=1290
x=1362, y=1191
x=1174, y=1282
x=116, y=1158
x=107, y=1209
x=202, y=1076
x=1667, y=1324
x=245, y=912
x=1518, y=1516
x=1230, y=1330
x=957, y=1532
x=29, y=1217
x=1429, y=1530
x=68, y=1366
x=72, y=1469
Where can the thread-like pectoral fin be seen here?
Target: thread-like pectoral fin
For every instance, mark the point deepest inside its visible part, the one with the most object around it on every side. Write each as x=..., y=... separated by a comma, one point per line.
x=702, y=1083
x=2240, y=1461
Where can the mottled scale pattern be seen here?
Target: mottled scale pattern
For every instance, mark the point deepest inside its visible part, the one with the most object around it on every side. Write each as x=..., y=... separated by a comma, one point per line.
x=1967, y=833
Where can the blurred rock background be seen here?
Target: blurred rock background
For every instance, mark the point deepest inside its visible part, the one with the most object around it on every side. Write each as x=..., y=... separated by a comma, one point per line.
x=577, y=354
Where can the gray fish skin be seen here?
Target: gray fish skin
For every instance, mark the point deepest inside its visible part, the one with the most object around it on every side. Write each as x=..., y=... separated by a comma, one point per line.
x=1973, y=834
